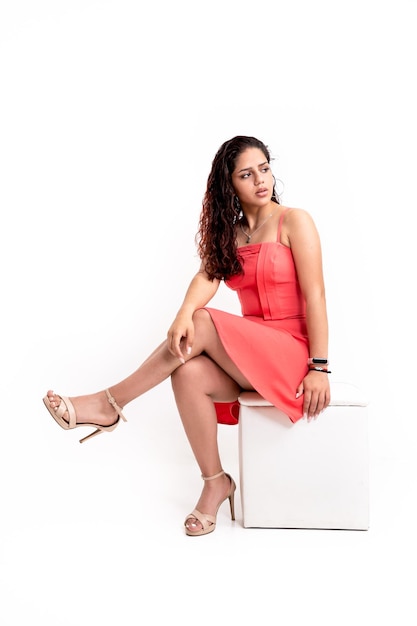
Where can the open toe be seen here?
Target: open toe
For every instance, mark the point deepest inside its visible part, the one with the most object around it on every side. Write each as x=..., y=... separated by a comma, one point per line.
x=207, y=523
x=64, y=414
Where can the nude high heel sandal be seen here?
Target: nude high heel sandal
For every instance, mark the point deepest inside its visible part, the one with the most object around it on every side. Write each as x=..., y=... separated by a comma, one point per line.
x=66, y=406
x=208, y=522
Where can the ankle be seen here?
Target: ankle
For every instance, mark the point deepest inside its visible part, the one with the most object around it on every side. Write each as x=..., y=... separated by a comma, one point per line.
x=213, y=476
x=217, y=486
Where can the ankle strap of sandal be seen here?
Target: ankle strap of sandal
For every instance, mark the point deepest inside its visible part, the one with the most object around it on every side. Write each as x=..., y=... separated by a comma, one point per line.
x=115, y=405
x=212, y=477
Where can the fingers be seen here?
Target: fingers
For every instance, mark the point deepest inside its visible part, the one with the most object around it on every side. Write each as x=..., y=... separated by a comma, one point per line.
x=312, y=407
x=300, y=390
x=310, y=410
x=174, y=346
x=314, y=404
x=316, y=394
x=180, y=342
x=189, y=340
x=311, y=404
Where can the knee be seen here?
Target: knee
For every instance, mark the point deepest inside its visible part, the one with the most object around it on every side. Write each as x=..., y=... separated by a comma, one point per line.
x=203, y=325
x=190, y=373
x=203, y=317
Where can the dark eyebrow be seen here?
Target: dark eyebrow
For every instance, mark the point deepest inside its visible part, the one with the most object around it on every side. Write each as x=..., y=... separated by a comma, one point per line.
x=250, y=168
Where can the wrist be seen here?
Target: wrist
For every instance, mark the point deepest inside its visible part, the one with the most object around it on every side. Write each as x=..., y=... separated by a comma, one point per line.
x=186, y=310
x=318, y=361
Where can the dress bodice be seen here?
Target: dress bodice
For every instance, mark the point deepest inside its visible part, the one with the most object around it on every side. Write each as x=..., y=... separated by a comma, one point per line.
x=268, y=286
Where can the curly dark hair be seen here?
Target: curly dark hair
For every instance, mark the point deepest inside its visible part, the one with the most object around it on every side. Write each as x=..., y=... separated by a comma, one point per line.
x=217, y=233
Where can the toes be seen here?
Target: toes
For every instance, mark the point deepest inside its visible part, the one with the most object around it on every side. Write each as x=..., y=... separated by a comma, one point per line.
x=52, y=399
x=193, y=524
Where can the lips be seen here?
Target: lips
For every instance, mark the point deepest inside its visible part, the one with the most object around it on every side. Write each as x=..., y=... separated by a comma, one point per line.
x=262, y=191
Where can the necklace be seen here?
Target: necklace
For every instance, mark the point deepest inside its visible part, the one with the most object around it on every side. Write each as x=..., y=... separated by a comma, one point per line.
x=247, y=235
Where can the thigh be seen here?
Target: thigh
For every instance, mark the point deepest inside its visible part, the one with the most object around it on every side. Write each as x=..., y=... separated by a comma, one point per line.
x=209, y=342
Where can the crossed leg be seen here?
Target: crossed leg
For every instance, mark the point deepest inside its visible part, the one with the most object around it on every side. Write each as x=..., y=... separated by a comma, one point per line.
x=156, y=368
x=208, y=375
x=203, y=380
x=196, y=386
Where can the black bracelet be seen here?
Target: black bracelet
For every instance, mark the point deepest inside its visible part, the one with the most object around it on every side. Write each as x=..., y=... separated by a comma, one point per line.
x=319, y=369
x=317, y=361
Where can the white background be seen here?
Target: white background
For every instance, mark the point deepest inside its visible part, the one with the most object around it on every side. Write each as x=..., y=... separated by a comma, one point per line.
x=110, y=115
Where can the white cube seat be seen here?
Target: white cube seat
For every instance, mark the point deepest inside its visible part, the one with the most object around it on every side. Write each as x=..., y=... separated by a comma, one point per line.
x=308, y=474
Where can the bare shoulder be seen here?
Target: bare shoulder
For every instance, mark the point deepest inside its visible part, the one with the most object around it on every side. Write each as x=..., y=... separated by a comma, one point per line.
x=295, y=222
x=296, y=215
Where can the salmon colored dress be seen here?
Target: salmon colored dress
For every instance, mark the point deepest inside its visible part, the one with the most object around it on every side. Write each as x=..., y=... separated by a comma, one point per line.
x=268, y=343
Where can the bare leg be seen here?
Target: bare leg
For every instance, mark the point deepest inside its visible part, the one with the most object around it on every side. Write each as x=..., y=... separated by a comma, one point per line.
x=156, y=368
x=196, y=386
x=208, y=375
x=96, y=408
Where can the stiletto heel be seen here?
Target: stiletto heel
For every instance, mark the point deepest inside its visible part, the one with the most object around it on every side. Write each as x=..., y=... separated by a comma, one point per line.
x=232, y=499
x=91, y=435
x=208, y=522
x=66, y=406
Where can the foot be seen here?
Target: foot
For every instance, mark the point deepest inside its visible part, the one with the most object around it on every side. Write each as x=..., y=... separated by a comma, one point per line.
x=94, y=408
x=213, y=494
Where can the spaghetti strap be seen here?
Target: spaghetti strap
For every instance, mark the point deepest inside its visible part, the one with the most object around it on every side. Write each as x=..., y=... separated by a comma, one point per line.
x=281, y=219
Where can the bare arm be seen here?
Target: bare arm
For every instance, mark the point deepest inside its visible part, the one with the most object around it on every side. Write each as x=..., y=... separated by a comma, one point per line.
x=200, y=291
x=306, y=249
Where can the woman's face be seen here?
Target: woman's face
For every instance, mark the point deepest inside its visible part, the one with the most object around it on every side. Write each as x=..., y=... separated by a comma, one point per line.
x=252, y=178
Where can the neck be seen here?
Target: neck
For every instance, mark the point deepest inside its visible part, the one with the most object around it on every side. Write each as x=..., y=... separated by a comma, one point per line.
x=254, y=216
x=258, y=226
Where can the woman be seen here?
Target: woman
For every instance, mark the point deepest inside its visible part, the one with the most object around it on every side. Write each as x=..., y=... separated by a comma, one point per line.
x=271, y=256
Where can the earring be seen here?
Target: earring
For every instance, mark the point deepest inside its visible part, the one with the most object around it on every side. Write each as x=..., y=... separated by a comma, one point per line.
x=237, y=205
x=277, y=195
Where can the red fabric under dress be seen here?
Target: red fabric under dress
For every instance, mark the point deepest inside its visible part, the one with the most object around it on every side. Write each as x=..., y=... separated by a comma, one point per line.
x=268, y=343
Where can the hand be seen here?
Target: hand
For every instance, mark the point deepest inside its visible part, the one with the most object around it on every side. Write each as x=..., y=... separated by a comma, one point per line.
x=181, y=329
x=316, y=390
